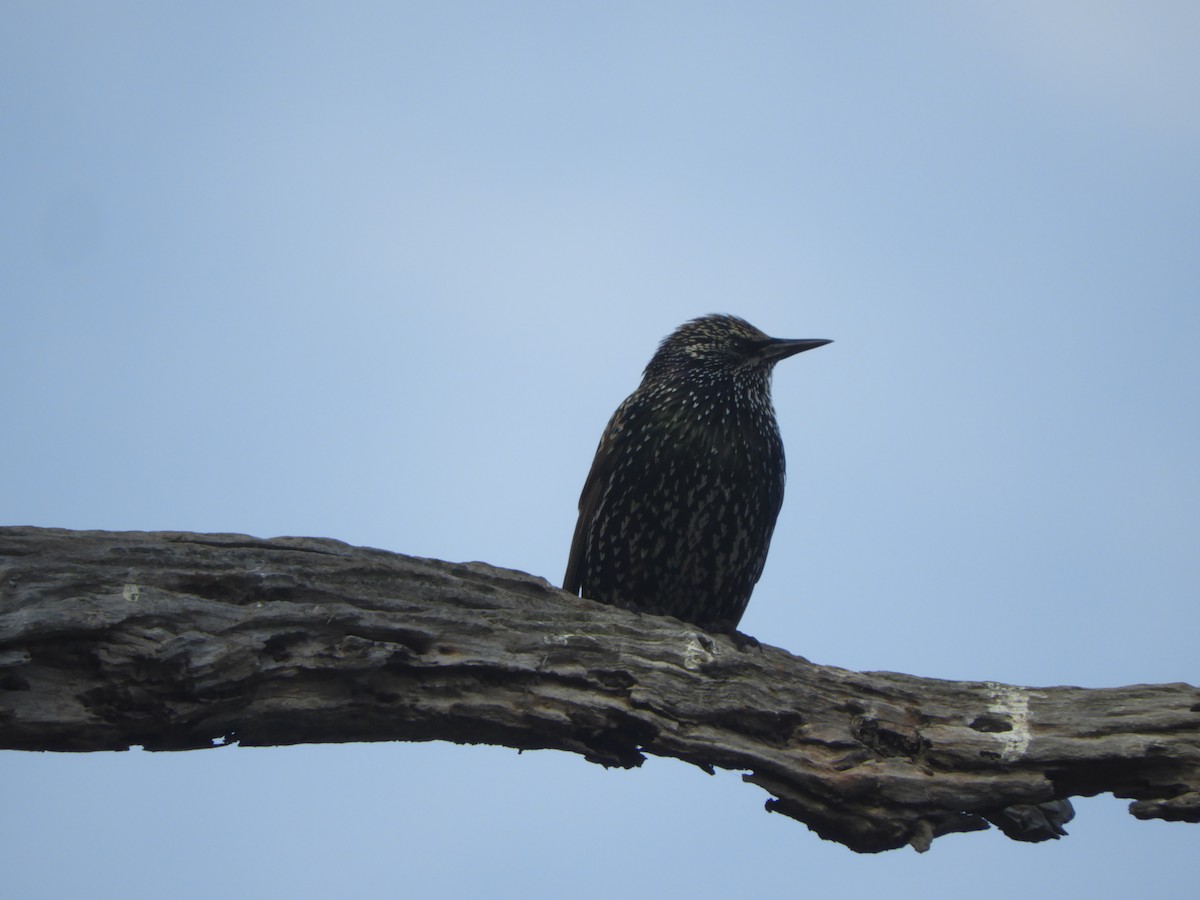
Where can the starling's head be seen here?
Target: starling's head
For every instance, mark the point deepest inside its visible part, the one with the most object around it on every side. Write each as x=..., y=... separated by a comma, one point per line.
x=721, y=345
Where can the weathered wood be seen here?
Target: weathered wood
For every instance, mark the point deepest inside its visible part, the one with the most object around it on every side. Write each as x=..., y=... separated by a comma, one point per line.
x=178, y=641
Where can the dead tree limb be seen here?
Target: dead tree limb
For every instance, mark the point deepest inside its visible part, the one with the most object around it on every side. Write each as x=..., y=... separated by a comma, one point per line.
x=175, y=641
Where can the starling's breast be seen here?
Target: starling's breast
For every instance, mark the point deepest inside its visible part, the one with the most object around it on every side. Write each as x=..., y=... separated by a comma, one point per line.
x=688, y=514
x=732, y=434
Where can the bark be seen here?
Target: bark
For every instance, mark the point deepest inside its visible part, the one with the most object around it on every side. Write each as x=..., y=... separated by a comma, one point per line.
x=174, y=641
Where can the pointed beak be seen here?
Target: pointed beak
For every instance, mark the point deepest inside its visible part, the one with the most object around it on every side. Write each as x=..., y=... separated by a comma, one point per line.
x=779, y=349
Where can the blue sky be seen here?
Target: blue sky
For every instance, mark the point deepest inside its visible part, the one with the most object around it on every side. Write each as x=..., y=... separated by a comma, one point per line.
x=381, y=272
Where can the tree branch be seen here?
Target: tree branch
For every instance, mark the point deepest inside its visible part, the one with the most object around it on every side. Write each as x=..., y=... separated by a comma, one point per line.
x=178, y=641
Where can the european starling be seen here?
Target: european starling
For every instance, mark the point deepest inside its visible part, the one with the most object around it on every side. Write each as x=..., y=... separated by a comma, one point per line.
x=677, y=511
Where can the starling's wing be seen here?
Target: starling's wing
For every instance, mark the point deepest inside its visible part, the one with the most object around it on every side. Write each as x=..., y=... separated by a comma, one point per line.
x=589, y=500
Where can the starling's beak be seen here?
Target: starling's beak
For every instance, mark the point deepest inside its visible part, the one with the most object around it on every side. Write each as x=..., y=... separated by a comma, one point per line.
x=778, y=349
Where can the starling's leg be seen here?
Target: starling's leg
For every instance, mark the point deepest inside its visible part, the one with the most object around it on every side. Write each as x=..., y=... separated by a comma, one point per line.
x=740, y=639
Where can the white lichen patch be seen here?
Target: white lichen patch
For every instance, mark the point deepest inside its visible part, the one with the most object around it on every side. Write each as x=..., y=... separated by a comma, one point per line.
x=1012, y=703
x=697, y=653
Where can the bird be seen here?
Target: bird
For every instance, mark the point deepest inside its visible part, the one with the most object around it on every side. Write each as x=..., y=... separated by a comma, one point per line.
x=678, y=508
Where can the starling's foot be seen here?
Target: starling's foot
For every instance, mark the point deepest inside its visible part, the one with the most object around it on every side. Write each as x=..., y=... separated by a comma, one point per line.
x=742, y=641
